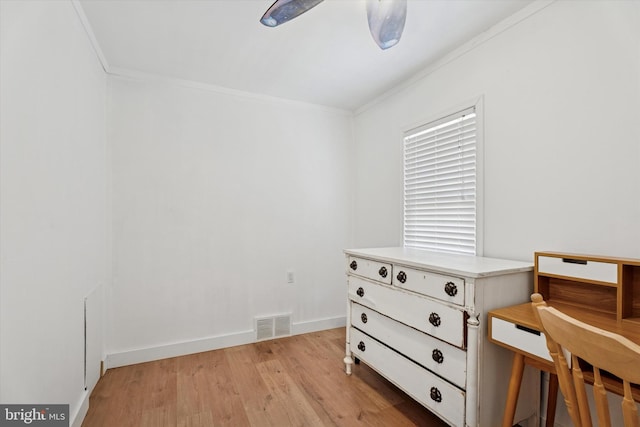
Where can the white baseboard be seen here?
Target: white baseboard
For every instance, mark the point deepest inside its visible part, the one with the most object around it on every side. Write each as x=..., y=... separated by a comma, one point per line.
x=149, y=354
x=318, y=325
x=78, y=417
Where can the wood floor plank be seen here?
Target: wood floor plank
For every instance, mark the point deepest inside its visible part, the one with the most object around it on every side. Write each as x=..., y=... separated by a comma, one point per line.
x=298, y=412
x=261, y=408
x=158, y=417
x=293, y=381
x=372, y=394
x=198, y=419
x=326, y=383
x=206, y=387
x=285, y=351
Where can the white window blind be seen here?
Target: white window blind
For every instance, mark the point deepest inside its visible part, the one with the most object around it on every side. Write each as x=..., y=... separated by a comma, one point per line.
x=440, y=184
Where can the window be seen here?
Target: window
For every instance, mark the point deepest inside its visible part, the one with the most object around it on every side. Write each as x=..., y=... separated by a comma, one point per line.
x=441, y=183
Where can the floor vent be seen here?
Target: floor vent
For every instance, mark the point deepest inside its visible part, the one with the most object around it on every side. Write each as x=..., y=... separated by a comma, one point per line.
x=273, y=327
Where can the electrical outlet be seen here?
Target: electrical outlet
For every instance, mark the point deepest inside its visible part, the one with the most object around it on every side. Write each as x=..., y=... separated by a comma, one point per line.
x=290, y=277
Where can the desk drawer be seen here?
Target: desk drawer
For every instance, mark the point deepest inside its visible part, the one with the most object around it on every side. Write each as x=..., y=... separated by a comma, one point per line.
x=374, y=270
x=445, y=288
x=520, y=339
x=589, y=270
x=439, y=357
x=436, y=394
x=436, y=319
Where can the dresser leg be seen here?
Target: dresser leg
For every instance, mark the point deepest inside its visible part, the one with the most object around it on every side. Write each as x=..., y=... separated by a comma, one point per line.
x=517, y=368
x=348, y=361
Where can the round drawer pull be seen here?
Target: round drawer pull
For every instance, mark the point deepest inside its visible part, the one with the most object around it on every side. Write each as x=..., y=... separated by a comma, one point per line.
x=451, y=289
x=435, y=394
x=360, y=292
x=363, y=317
x=361, y=346
x=353, y=265
x=382, y=272
x=437, y=356
x=434, y=319
x=402, y=277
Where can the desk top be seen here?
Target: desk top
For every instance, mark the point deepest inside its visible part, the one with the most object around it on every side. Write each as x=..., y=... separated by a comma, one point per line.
x=522, y=314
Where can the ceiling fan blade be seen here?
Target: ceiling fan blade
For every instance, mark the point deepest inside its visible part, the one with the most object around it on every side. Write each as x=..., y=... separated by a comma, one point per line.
x=386, y=21
x=285, y=10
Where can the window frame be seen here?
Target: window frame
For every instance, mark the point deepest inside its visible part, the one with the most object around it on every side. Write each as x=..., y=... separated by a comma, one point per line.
x=478, y=104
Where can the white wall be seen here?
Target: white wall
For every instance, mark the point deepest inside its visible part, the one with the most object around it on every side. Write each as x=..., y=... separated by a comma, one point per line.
x=562, y=142
x=53, y=210
x=215, y=197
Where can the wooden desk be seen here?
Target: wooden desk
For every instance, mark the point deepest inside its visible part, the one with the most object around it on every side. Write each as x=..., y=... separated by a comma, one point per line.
x=601, y=291
x=521, y=319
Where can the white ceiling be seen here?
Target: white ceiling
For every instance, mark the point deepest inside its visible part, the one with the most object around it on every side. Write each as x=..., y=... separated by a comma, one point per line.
x=326, y=56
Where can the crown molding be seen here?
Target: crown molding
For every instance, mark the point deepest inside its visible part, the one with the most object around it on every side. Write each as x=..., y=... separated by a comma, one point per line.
x=128, y=74
x=92, y=37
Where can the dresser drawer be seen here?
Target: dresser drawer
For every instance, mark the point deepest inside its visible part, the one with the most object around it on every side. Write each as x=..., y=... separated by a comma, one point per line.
x=435, y=318
x=436, y=394
x=446, y=288
x=533, y=342
x=439, y=357
x=374, y=270
x=579, y=269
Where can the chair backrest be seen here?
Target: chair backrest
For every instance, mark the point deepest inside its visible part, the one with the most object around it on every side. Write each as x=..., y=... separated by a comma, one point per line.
x=601, y=349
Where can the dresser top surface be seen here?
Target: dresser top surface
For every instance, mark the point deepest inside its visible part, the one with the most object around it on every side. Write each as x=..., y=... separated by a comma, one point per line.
x=465, y=265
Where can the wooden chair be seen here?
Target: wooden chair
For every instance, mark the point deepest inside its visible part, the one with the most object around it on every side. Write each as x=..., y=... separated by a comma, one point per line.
x=606, y=351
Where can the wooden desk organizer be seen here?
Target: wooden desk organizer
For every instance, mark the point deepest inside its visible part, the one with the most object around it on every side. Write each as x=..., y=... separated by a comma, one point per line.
x=590, y=284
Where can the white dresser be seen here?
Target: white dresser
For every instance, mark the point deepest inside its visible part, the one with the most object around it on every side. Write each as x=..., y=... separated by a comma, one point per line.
x=419, y=319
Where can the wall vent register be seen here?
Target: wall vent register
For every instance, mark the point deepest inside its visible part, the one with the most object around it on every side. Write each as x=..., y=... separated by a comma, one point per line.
x=272, y=327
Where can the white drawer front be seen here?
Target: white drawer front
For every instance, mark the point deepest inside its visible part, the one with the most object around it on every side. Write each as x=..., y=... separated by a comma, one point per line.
x=445, y=288
x=508, y=333
x=434, y=318
x=439, y=357
x=436, y=394
x=592, y=270
x=374, y=270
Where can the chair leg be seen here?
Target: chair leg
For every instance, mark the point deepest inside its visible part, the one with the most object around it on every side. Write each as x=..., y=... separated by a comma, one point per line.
x=552, y=399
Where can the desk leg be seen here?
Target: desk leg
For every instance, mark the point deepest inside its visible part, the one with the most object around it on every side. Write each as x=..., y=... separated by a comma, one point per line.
x=552, y=398
x=517, y=368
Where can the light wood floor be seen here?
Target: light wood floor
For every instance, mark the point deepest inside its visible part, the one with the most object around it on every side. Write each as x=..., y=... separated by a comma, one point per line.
x=294, y=381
